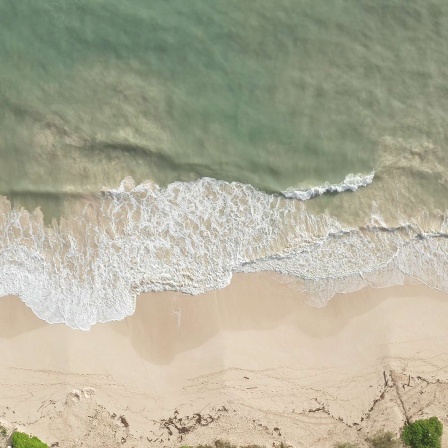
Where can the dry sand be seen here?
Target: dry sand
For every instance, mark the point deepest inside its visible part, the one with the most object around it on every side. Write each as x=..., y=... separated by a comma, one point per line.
x=251, y=363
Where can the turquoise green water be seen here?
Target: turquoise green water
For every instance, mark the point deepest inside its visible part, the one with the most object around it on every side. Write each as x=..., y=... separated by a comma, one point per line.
x=271, y=93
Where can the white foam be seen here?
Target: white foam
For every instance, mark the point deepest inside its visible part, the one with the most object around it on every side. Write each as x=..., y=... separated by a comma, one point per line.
x=192, y=237
x=351, y=183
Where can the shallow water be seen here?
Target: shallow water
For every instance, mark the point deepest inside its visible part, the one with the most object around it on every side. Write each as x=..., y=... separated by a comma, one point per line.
x=277, y=96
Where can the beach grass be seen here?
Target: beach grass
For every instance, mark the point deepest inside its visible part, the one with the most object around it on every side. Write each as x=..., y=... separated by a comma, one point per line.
x=3, y=431
x=425, y=433
x=420, y=434
x=384, y=440
x=381, y=439
x=22, y=440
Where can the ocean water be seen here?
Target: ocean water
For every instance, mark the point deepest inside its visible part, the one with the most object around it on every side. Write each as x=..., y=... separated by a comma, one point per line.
x=166, y=145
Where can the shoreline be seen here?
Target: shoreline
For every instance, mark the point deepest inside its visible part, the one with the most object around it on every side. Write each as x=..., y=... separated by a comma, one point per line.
x=248, y=358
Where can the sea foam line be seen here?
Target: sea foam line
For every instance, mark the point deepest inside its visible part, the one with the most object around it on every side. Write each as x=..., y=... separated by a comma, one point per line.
x=191, y=237
x=351, y=183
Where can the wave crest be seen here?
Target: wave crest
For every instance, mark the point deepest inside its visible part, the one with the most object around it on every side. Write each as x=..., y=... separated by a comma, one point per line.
x=191, y=237
x=351, y=183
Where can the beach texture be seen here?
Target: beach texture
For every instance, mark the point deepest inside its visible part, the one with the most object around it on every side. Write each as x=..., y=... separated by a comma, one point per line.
x=251, y=363
x=222, y=220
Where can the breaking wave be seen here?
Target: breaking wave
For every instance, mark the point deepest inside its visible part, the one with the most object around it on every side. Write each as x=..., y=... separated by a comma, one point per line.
x=191, y=237
x=351, y=183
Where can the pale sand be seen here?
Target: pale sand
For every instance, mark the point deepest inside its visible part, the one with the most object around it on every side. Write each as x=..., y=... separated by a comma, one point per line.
x=253, y=360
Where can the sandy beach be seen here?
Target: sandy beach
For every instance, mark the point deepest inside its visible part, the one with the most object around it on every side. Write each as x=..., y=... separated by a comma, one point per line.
x=222, y=220
x=251, y=363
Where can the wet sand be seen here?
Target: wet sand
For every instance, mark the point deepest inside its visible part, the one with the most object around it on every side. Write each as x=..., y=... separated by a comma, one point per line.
x=251, y=363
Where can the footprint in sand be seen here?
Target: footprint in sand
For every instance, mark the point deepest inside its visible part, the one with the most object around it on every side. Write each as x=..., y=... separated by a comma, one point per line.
x=79, y=394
